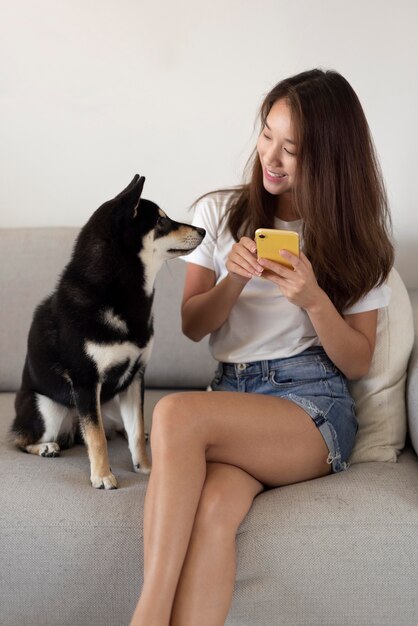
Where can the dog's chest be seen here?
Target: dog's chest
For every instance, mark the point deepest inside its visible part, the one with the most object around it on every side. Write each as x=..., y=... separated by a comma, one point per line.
x=120, y=358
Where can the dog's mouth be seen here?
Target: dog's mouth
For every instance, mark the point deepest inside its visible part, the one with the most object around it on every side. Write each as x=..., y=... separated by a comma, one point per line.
x=179, y=250
x=185, y=245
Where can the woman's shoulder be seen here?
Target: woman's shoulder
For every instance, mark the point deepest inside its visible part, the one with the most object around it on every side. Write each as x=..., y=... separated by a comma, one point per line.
x=211, y=209
x=376, y=298
x=219, y=199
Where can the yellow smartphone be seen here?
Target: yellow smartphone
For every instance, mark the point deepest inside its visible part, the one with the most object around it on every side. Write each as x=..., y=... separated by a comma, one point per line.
x=270, y=240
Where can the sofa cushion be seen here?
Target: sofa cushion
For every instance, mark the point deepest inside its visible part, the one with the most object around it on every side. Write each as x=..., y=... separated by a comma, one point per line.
x=33, y=259
x=176, y=361
x=380, y=396
x=73, y=555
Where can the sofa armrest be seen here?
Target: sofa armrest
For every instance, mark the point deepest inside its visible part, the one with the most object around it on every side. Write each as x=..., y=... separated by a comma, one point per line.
x=412, y=379
x=412, y=396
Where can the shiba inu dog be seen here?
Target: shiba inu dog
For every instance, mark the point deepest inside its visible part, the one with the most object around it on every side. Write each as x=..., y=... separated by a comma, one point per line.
x=90, y=341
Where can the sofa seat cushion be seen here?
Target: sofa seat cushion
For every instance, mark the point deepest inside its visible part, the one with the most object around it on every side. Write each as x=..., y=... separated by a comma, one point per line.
x=337, y=550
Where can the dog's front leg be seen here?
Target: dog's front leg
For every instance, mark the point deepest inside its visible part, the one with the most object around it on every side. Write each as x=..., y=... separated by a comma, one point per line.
x=88, y=406
x=132, y=409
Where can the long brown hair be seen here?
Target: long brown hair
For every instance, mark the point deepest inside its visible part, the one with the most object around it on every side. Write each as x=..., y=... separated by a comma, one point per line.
x=338, y=193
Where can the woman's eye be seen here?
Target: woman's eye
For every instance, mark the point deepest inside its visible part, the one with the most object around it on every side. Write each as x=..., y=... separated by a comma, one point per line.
x=266, y=136
x=291, y=153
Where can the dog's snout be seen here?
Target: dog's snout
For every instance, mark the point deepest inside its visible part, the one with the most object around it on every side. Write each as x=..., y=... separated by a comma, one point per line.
x=201, y=231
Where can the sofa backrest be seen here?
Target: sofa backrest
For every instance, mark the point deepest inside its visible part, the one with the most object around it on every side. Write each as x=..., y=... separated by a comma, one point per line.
x=32, y=261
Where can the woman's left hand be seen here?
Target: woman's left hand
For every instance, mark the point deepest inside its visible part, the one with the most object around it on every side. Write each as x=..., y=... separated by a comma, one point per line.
x=298, y=285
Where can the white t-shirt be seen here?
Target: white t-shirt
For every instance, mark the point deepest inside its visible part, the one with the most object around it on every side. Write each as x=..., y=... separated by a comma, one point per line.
x=262, y=324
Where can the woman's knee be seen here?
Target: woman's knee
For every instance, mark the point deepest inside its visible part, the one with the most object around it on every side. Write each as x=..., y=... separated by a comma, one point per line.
x=226, y=498
x=171, y=417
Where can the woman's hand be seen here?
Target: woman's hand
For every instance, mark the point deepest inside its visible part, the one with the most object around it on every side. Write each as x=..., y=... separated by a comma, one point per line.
x=298, y=285
x=349, y=342
x=242, y=263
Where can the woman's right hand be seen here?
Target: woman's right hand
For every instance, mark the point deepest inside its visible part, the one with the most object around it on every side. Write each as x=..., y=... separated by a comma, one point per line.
x=242, y=263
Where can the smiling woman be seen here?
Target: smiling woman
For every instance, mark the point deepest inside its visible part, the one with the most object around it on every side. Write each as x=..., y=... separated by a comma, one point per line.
x=315, y=133
x=286, y=341
x=277, y=156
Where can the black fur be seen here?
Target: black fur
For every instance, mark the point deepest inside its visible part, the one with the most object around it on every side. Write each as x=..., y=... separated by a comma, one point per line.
x=108, y=271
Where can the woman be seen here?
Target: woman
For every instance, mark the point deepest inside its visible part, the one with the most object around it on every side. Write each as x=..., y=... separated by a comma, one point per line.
x=286, y=340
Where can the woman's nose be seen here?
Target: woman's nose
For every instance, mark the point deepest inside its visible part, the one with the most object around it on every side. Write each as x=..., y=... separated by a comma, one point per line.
x=273, y=157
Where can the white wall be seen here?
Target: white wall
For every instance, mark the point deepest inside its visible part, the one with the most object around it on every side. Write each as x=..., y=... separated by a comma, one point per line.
x=93, y=91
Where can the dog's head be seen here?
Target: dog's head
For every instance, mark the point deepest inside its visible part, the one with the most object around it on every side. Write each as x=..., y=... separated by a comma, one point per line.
x=143, y=228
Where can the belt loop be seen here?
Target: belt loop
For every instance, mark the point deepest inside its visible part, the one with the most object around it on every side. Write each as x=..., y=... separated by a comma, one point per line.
x=265, y=370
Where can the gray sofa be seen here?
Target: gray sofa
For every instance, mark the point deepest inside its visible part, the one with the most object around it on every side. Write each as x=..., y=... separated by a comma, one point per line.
x=340, y=550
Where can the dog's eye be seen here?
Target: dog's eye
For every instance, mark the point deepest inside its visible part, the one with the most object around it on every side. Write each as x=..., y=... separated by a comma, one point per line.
x=162, y=219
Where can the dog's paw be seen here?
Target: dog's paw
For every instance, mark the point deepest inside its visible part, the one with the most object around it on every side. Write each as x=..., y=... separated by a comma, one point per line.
x=145, y=468
x=49, y=449
x=104, y=482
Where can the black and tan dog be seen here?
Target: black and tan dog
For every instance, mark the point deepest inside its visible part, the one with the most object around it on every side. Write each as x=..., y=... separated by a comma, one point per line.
x=90, y=341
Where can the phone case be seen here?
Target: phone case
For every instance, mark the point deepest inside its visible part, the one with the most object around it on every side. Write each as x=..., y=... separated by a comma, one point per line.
x=270, y=240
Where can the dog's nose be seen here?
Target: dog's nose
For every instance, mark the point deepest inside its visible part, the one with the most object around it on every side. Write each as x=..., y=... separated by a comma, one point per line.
x=201, y=231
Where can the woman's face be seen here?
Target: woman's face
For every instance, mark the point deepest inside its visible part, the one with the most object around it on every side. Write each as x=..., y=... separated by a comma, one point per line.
x=277, y=149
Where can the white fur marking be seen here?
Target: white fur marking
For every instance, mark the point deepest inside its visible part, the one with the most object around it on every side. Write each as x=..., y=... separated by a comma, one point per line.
x=57, y=418
x=152, y=260
x=108, y=355
x=115, y=321
x=157, y=250
x=133, y=419
x=129, y=401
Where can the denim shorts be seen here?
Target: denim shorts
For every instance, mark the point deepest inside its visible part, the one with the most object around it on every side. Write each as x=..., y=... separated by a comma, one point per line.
x=313, y=382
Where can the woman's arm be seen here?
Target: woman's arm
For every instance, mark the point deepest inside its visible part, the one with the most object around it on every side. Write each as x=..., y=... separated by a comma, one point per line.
x=348, y=341
x=206, y=306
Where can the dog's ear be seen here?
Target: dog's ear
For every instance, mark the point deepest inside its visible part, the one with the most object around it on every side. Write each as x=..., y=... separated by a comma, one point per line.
x=134, y=188
x=129, y=187
x=126, y=203
x=138, y=187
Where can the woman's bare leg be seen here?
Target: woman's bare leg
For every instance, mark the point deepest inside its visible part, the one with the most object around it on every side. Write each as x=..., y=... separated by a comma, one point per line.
x=173, y=494
x=207, y=580
x=270, y=438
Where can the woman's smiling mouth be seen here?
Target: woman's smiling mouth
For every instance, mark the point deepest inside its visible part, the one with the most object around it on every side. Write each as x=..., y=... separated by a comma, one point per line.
x=273, y=176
